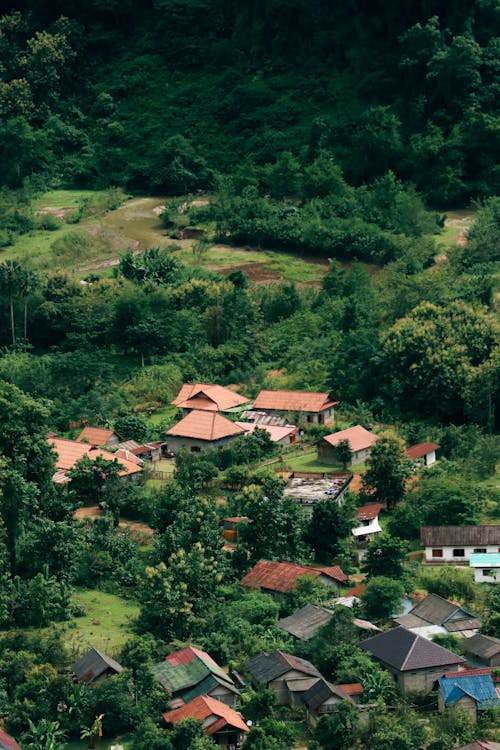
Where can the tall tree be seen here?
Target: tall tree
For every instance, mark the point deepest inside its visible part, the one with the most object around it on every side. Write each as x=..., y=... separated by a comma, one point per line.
x=388, y=470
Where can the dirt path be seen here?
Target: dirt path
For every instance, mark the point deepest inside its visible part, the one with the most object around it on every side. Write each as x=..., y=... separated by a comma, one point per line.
x=95, y=512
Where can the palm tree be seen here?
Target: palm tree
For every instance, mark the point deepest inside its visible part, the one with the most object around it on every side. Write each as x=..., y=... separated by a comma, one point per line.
x=27, y=285
x=11, y=273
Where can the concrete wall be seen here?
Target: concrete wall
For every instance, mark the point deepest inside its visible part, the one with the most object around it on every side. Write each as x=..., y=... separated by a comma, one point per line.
x=176, y=444
x=466, y=703
x=328, y=454
x=419, y=681
x=224, y=695
x=487, y=575
x=448, y=555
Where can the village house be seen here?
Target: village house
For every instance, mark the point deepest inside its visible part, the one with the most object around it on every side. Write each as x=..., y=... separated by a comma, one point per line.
x=479, y=745
x=306, y=622
x=69, y=452
x=312, y=408
x=323, y=698
x=200, y=430
x=473, y=691
x=281, y=434
x=144, y=451
x=457, y=543
x=191, y=672
x=207, y=397
x=486, y=566
x=414, y=662
x=423, y=454
x=482, y=649
x=360, y=442
x=276, y=670
x=223, y=724
x=98, y=436
x=231, y=527
x=368, y=523
x=278, y=578
x=435, y=615
x=95, y=666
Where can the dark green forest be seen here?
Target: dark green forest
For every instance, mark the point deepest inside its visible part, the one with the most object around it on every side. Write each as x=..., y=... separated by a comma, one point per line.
x=164, y=95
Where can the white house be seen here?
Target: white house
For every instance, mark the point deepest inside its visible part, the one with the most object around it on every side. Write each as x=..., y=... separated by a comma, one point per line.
x=367, y=517
x=360, y=442
x=486, y=567
x=457, y=543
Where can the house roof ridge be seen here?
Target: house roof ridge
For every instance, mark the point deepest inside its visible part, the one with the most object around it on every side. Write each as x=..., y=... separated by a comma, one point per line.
x=410, y=650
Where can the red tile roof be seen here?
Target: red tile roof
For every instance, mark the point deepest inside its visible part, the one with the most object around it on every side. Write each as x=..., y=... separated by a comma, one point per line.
x=204, y=425
x=186, y=655
x=368, y=512
x=294, y=401
x=208, y=397
x=95, y=435
x=283, y=576
x=421, y=449
x=359, y=438
x=203, y=708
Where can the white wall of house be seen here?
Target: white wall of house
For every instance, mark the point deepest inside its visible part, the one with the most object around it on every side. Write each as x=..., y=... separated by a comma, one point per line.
x=449, y=554
x=430, y=458
x=175, y=444
x=487, y=575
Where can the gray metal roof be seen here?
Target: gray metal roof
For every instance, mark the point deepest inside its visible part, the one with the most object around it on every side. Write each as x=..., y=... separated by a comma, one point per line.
x=434, y=610
x=265, y=668
x=320, y=692
x=305, y=622
x=404, y=650
x=484, y=646
x=93, y=664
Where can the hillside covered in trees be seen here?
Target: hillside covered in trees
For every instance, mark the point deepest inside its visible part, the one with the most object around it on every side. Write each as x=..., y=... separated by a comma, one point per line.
x=165, y=94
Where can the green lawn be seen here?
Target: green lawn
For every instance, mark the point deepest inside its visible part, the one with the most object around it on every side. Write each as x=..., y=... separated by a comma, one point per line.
x=63, y=198
x=309, y=462
x=106, y=625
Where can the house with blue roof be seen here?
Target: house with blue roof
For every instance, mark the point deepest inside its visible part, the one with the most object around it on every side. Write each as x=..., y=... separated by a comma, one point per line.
x=486, y=567
x=472, y=690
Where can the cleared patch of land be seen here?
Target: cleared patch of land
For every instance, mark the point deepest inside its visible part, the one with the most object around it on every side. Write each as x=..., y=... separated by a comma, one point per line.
x=106, y=624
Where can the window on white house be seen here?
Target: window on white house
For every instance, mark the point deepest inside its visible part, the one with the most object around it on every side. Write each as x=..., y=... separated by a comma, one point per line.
x=437, y=552
x=458, y=553
x=480, y=549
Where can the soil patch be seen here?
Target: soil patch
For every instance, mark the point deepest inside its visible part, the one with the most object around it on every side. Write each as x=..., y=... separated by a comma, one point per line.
x=259, y=273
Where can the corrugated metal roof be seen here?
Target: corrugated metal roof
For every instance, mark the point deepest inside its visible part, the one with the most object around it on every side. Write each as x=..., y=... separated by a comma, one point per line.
x=305, y=622
x=187, y=668
x=275, y=432
x=459, y=536
x=267, y=667
x=367, y=512
x=484, y=646
x=322, y=691
x=421, y=449
x=96, y=435
x=202, y=708
x=479, y=687
x=7, y=742
x=93, y=664
x=282, y=576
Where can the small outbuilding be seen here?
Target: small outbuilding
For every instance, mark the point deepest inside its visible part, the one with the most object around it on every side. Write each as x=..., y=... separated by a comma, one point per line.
x=95, y=666
x=435, y=615
x=312, y=408
x=277, y=669
x=482, y=649
x=278, y=578
x=472, y=690
x=486, y=566
x=423, y=454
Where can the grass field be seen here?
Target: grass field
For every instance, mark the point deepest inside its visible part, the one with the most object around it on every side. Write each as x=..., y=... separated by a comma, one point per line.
x=309, y=462
x=106, y=625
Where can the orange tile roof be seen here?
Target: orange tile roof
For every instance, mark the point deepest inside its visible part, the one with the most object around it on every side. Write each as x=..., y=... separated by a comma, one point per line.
x=367, y=512
x=208, y=397
x=421, y=449
x=359, y=438
x=203, y=708
x=69, y=452
x=294, y=401
x=204, y=425
x=95, y=435
x=275, y=432
x=283, y=576
x=351, y=688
